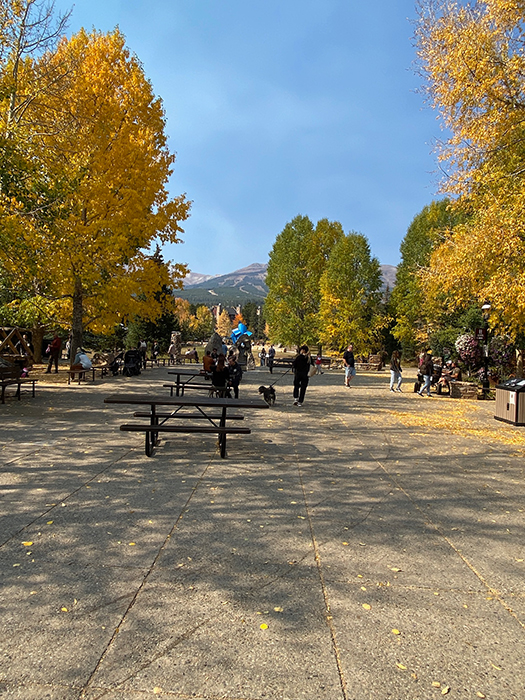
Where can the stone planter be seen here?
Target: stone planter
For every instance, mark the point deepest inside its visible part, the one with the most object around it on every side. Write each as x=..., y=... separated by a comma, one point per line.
x=463, y=390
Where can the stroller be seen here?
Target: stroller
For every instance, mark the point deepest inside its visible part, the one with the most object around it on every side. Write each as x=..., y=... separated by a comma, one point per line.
x=132, y=363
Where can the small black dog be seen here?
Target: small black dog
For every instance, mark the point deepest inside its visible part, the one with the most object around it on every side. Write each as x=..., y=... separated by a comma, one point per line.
x=268, y=393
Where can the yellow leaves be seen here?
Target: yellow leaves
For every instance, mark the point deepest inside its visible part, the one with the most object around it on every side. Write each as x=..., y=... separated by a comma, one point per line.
x=401, y=666
x=263, y=626
x=475, y=64
x=27, y=544
x=100, y=137
x=396, y=631
x=366, y=606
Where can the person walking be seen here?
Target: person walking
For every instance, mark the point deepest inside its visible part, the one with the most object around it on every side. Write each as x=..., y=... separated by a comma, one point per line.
x=301, y=368
x=143, y=347
x=235, y=375
x=271, y=358
x=54, y=353
x=395, y=371
x=349, y=364
x=172, y=352
x=427, y=369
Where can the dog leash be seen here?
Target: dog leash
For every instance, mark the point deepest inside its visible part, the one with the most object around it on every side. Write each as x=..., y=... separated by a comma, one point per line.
x=281, y=376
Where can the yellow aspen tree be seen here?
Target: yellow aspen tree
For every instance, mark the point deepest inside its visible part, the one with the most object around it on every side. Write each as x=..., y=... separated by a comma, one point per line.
x=473, y=60
x=101, y=140
x=224, y=325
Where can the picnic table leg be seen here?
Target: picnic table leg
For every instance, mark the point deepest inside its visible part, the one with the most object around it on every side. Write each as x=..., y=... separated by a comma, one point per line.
x=178, y=385
x=222, y=436
x=152, y=438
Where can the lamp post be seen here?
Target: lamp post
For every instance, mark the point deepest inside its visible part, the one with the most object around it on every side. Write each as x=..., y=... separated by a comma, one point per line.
x=486, y=313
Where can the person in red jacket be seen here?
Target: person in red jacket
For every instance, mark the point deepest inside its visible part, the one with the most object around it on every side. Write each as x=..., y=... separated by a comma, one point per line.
x=54, y=353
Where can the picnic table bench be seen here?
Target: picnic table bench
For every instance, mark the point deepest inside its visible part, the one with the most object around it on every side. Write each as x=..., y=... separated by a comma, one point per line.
x=283, y=362
x=185, y=377
x=216, y=417
x=10, y=376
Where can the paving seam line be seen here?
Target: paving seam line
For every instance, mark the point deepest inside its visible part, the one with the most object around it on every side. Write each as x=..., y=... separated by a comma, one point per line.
x=318, y=562
x=66, y=498
x=430, y=523
x=88, y=684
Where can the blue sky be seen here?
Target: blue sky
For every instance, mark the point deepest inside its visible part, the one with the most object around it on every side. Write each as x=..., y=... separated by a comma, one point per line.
x=283, y=107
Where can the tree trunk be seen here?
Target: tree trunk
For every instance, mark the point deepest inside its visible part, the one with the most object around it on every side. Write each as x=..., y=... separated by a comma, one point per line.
x=76, y=325
x=37, y=336
x=519, y=363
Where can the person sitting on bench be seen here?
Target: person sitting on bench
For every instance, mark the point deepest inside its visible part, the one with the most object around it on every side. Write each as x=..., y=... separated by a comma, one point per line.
x=220, y=376
x=208, y=362
x=450, y=375
x=81, y=362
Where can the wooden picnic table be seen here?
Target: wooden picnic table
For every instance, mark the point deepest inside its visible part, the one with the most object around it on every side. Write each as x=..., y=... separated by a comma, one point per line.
x=216, y=411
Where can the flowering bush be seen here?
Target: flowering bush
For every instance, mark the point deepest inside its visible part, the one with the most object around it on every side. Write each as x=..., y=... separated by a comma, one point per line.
x=501, y=352
x=469, y=350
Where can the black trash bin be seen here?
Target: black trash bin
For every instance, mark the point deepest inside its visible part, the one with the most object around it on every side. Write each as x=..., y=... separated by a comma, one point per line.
x=510, y=402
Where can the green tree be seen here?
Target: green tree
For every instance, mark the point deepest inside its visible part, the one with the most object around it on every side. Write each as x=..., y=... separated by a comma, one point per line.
x=351, y=295
x=297, y=261
x=253, y=314
x=414, y=319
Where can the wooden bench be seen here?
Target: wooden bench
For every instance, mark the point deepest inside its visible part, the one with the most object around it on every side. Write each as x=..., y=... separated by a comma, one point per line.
x=81, y=374
x=10, y=376
x=158, y=362
x=283, y=362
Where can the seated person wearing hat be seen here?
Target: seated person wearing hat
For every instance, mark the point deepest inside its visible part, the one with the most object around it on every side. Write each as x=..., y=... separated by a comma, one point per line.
x=451, y=373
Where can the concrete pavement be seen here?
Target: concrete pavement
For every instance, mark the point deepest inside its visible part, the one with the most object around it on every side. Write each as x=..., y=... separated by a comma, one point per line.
x=366, y=546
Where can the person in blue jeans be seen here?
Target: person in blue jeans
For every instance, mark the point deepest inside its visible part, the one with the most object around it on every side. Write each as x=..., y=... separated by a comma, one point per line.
x=395, y=371
x=427, y=369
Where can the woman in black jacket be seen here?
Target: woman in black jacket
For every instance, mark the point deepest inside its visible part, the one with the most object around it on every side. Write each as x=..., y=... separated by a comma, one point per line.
x=301, y=368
